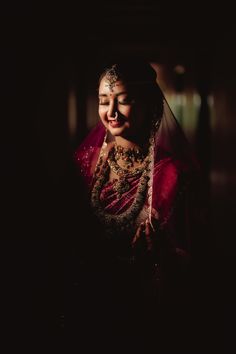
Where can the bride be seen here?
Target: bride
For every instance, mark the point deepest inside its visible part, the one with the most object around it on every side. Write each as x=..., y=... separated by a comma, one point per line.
x=136, y=164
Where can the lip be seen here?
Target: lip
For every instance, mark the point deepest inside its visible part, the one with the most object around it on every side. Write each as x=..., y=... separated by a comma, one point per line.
x=115, y=123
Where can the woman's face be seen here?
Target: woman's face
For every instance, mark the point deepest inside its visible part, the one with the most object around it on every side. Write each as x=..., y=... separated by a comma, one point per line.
x=120, y=109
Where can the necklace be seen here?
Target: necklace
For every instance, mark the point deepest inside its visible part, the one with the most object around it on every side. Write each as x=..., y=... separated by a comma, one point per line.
x=128, y=156
x=125, y=221
x=122, y=185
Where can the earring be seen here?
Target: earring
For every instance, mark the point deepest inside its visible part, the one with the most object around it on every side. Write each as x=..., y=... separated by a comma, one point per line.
x=104, y=144
x=101, y=154
x=156, y=119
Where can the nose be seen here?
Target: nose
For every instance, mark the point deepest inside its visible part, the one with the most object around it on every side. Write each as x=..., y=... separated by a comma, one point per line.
x=111, y=113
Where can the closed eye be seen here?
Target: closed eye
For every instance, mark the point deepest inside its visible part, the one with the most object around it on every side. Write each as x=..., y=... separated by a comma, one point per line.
x=126, y=102
x=103, y=103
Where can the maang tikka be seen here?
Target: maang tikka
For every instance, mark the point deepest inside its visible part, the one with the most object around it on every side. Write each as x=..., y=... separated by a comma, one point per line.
x=111, y=76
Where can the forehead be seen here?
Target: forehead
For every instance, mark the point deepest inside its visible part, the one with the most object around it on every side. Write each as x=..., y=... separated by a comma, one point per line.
x=118, y=86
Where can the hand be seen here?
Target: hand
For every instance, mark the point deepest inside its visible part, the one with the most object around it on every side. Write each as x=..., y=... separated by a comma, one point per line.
x=144, y=238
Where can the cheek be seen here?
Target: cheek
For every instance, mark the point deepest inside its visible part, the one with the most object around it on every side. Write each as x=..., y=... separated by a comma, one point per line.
x=140, y=114
x=128, y=112
x=101, y=113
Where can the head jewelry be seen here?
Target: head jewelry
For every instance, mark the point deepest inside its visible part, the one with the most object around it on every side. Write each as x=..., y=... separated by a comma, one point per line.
x=111, y=76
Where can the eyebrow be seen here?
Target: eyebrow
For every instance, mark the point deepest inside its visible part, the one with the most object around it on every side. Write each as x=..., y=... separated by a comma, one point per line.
x=118, y=94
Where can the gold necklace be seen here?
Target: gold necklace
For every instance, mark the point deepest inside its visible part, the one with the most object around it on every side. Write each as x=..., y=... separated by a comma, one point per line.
x=128, y=156
x=124, y=221
x=122, y=185
x=120, y=171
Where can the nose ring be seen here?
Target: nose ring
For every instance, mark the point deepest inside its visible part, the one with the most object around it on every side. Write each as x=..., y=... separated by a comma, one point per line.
x=116, y=115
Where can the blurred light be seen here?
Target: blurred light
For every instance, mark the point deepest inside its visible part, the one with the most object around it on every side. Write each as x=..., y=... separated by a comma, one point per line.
x=196, y=99
x=72, y=113
x=210, y=100
x=179, y=69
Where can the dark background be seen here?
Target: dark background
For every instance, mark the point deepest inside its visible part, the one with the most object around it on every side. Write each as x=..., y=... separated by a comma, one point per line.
x=43, y=50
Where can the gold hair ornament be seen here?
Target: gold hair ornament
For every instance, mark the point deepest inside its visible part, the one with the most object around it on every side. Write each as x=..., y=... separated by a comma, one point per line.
x=111, y=76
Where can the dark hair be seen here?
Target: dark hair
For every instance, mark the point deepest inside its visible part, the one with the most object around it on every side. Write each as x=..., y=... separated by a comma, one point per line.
x=132, y=72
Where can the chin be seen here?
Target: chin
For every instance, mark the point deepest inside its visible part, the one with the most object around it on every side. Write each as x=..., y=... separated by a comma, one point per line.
x=117, y=131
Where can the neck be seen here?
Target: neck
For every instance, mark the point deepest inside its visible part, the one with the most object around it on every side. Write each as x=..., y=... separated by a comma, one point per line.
x=129, y=144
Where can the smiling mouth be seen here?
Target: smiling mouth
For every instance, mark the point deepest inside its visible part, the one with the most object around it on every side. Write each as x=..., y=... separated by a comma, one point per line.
x=116, y=122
